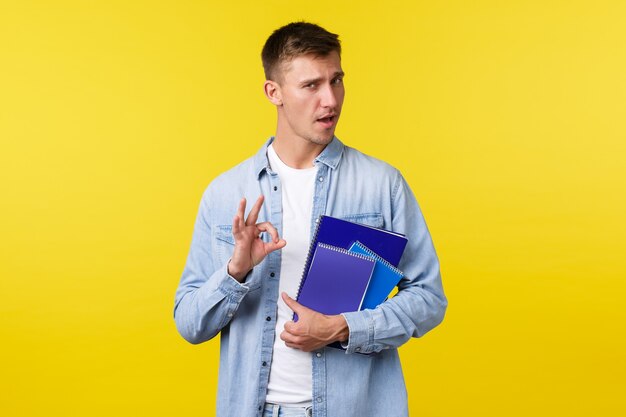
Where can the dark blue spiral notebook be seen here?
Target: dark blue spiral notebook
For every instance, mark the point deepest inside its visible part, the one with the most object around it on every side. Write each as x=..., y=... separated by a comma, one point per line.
x=336, y=282
x=342, y=234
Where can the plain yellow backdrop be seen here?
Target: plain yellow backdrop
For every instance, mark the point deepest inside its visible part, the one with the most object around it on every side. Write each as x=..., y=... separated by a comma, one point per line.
x=506, y=118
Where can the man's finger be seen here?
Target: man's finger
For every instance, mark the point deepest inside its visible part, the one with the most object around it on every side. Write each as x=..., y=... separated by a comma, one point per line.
x=268, y=227
x=291, y=338
x=292, y=345
x=272, y=246
x=287, y=337
x=254, y=212
x=241, y=211
x=290, y=327
x=295, y=306
x=236, y=228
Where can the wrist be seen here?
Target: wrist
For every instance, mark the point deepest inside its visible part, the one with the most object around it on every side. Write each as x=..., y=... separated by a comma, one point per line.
x=341, y=331
x=237, y=273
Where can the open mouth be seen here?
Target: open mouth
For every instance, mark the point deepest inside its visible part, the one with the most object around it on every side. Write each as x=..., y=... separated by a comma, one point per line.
x=327, y=121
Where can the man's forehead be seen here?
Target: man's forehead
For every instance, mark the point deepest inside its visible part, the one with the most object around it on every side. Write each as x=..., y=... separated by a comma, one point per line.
x=305, y=66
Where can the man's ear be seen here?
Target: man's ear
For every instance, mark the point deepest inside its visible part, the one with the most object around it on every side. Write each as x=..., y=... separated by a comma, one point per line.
x=272, y=92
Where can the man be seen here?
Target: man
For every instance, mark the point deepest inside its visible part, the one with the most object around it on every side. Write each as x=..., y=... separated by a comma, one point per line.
x=237, y=267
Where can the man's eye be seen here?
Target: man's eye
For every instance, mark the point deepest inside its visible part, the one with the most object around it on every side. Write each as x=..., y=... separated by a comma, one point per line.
x=310, y=85
x=337, y=80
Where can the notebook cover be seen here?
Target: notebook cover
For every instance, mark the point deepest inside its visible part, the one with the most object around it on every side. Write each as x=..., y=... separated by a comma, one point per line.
x=336, y=282
x=384, y=277
x=342, y=233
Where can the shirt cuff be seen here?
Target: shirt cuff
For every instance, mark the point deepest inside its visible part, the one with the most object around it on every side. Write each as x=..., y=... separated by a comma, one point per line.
x=231, y=288
x=361, y=326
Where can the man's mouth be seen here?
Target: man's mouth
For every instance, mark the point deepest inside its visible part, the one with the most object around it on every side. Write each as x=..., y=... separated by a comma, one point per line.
x=328, y=121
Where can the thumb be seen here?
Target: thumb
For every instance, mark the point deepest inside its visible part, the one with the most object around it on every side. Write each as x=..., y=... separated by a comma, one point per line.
x=295, y=306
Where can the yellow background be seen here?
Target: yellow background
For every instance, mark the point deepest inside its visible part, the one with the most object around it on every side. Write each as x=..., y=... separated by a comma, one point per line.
x=506, y=118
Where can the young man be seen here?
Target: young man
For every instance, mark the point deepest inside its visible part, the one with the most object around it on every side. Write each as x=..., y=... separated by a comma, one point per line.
x=242, y=273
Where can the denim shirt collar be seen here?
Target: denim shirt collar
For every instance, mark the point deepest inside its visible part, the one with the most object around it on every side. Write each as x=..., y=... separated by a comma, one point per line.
x=330, y=156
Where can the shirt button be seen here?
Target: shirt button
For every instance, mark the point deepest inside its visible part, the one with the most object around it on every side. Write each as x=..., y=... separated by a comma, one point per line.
x=358, y=349
x=272, y=274
x=260, y=408
x=264, y=363
x=268, y=318
x=230, y=314
x=318, y=354
x=319, y=399
x=275, y=188
x=321, y=179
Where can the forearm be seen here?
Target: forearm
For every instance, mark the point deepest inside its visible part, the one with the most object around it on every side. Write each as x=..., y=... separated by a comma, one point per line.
x=411, y=313
x=202, y=310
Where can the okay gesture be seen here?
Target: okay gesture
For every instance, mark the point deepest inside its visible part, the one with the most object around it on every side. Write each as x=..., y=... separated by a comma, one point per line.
x=250, y=249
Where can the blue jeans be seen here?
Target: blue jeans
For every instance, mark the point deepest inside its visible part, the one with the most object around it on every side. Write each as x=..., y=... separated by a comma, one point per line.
x=275, y=410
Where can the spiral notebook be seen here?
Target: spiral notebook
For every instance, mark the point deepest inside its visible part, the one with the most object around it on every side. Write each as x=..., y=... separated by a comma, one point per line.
x=342, y=234
x=384, y=277
x=336, y=281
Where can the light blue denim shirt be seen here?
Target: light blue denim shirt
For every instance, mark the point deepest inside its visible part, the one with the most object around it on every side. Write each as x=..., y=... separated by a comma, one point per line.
x=352, y=186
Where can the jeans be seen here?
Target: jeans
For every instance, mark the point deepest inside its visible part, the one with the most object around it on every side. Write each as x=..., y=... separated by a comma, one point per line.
x=275, y=410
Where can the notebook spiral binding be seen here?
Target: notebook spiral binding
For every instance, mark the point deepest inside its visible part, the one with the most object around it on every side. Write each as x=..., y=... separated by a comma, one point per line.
x=346, y=251
x=307, y=263
x=378, y=258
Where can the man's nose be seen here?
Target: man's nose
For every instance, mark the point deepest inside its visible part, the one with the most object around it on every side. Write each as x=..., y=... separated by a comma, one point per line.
x=329, y=97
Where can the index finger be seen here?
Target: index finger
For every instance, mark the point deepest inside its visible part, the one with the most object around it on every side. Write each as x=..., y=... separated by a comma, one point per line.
x=254, y=211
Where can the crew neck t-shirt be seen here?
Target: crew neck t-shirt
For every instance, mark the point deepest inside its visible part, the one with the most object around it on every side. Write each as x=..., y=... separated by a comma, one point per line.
x=290, y=381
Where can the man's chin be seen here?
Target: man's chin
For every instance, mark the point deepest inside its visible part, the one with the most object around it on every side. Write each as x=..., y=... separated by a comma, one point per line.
x=323, y=139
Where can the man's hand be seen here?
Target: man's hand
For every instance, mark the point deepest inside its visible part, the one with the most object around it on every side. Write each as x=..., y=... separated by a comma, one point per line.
x=250, y=250
x=313, y=330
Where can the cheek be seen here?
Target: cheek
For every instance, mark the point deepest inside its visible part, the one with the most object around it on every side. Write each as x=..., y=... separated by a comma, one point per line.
x=298, y=115
x=305, y=109
x=300, y=103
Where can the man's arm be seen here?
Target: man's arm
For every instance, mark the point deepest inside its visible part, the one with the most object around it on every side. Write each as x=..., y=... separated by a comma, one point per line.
x=420, y=304
x=418, y=307
x=208, y=296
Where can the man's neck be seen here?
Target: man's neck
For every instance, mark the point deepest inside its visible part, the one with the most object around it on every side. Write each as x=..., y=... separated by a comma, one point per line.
x=297, y=153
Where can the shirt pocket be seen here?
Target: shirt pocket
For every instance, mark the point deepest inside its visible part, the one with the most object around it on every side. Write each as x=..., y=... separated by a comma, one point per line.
x=224, y=234
x=369, y=219
x=225, y=246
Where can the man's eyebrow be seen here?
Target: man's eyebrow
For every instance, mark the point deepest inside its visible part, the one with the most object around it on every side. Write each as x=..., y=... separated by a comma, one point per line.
x=318, y=79
x=311, y=81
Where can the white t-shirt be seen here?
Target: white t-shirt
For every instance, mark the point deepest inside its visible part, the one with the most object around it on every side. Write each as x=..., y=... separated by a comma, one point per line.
x=290, y=380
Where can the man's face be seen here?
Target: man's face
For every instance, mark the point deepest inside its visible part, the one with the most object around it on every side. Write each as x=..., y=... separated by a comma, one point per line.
x=312, y=91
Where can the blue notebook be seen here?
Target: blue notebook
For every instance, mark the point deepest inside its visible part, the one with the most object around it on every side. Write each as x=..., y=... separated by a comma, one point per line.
x=384, y=277
x=336, y=281
x=342, y=234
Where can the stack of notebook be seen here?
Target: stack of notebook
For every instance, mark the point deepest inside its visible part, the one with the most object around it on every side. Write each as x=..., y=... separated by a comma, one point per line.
x=350, y=267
